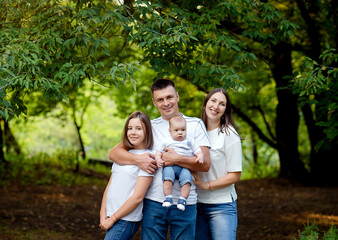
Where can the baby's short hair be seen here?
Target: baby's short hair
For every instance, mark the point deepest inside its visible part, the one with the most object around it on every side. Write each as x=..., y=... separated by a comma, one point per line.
x=176, y=118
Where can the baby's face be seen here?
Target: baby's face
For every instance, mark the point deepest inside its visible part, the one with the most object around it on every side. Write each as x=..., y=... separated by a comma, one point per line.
x=178, y=130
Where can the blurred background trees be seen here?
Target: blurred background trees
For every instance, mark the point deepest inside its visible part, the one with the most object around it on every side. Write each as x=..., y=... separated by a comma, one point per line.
x=63, y=59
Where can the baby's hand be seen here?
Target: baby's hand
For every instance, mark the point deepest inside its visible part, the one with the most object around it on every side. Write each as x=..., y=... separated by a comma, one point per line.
x=199, y=160
x=159, y=162
x=199, y=157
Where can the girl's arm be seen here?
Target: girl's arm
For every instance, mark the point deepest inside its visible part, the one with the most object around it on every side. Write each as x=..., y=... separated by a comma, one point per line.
x=131, y=204
x=103, y=211
x=221, y=182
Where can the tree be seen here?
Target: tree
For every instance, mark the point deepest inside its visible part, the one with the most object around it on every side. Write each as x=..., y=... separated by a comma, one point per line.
x=211, y=43
x=50, y=46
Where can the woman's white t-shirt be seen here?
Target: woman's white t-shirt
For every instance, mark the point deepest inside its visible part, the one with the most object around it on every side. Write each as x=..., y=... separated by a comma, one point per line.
x=226, y=156
x=124, y=178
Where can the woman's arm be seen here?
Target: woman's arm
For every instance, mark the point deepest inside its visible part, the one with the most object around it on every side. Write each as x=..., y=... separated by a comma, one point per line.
x=170, y=157
x=221, y=182
x=121, y=156
x=131, y=204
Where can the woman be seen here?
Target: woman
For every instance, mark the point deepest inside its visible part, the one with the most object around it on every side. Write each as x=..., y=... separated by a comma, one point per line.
x=216, y=208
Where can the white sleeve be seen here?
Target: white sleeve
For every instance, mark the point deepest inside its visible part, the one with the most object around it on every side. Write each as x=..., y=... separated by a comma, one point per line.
x=201, y=137
x=142, y=173
x=234, y=156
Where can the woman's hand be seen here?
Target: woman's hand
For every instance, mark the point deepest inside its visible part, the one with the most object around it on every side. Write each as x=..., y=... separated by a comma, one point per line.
x=199, y=182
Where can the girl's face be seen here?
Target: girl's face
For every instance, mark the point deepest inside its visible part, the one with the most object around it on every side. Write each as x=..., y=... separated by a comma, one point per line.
x=215, y=107
x=135, y=133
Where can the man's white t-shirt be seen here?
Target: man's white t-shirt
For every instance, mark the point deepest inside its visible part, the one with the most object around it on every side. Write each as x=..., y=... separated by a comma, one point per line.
x=195, y=130
x=226, y=156
x=124, y=178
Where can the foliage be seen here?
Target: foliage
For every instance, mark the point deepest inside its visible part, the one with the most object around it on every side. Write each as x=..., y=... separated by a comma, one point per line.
x=321, y=80
x=191, y=39
x=53, y=131
x=49, y=46
x=312, y=232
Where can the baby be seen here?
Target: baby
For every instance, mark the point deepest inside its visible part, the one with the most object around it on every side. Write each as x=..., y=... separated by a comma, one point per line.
x=183, y=146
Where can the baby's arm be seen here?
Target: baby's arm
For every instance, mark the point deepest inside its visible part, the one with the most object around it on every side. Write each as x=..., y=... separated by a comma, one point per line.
x=158, y=159
x=199, y=157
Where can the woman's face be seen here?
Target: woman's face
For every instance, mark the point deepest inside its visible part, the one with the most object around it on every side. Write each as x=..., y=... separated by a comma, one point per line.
x=215, y=107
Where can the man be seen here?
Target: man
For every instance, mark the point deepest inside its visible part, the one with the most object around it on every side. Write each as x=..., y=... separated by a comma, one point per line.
x=157, y=219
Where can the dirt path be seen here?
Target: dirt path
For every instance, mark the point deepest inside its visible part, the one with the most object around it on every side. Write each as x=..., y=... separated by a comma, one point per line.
x=267, y=208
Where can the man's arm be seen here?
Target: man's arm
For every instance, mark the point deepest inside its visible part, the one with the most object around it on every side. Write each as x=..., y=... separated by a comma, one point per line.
x=121, y=156
x=170, y=157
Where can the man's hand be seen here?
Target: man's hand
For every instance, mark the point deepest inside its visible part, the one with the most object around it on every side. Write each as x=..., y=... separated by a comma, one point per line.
x=170, y=157
x=146, y=162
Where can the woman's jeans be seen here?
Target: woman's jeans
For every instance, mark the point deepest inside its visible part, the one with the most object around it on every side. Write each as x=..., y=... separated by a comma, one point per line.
x=122, y=230
x=216, y=221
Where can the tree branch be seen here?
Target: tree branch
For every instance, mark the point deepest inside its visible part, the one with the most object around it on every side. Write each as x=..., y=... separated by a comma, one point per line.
x=254, y=127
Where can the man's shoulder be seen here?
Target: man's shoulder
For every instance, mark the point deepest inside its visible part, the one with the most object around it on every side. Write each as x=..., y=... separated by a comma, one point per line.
x=158, y=120
x=194, y=122
x=192, y=119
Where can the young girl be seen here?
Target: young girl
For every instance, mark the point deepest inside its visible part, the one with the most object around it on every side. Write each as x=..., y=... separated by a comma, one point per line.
x=121, y=206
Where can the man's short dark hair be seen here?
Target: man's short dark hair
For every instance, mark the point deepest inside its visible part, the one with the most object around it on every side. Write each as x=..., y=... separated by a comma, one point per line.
x=162, y=83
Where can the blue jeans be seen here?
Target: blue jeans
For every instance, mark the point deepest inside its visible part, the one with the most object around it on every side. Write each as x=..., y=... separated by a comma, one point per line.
x=157, y=219
x=122, y=230
x=216, y=221
x=176, y=172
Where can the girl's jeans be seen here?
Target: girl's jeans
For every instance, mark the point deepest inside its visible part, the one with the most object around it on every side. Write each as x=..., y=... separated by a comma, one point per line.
x=122, y=230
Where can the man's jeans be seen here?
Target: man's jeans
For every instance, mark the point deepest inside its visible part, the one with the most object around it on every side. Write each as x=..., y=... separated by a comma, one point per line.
x=122, y=230
x=216, y=221
x=156, y=219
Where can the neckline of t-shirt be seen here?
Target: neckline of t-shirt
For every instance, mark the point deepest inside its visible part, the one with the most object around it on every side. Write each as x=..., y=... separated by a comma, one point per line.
x=214, y=130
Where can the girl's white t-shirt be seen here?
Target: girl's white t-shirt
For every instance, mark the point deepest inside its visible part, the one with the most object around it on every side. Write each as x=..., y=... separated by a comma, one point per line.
x=124, y=178
x=226, y=156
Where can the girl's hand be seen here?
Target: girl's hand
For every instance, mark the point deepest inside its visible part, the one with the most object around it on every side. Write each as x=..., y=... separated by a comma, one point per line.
x=106, y=224
x=199, y=182
x=103, y=216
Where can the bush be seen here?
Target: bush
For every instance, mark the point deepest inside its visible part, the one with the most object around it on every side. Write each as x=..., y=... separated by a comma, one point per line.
x=312, y=232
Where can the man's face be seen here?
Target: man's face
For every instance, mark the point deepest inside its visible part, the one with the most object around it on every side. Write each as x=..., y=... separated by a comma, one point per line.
x=166, y=102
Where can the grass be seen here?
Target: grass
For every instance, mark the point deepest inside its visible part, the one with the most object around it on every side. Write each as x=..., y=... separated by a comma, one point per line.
x=312, y=232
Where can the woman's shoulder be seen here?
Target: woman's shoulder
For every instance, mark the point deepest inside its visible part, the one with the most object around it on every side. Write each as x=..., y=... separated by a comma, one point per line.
x=231, y=133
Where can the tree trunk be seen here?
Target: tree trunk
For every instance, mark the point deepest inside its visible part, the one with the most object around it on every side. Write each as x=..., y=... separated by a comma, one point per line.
x=323, y=166
x=10, y=141
x=2, y=155
x=287, y=116
x=80, y=141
